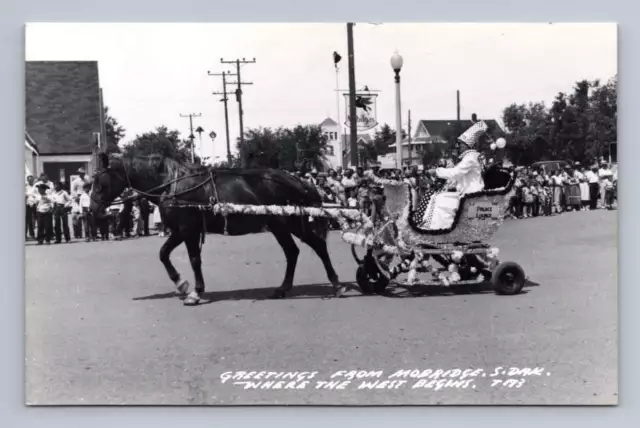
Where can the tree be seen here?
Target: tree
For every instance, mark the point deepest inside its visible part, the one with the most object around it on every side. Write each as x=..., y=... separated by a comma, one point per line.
x=603, y=118
x=261, y=146
x=162, y=141
x=379, y=145
x=115, y=132
x=284, y=148
x=527, y=129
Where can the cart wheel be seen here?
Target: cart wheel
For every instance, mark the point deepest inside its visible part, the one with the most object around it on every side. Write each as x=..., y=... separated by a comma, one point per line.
x=366, y=287
x=369, y=277
x=508, y=278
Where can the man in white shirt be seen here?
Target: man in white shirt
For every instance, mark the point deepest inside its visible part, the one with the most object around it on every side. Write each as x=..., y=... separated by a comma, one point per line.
x=77, y=185
x=45, y=180
x=91, y=233
x=466, y=175
x=30, y=212
x=61, y=207
x=604, y=173
x=594, y=187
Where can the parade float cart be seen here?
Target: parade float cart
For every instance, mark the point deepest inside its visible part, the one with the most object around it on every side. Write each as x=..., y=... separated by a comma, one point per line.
x=459, y=257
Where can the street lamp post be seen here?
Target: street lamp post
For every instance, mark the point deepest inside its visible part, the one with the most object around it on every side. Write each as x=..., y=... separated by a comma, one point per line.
x=396, y=64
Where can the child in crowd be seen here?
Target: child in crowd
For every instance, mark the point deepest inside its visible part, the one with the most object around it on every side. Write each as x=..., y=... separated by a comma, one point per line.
x=87, y=215
x=76, y=216
x=607, y=184
x=137, y=219
x=44, y=213
x=527, y=198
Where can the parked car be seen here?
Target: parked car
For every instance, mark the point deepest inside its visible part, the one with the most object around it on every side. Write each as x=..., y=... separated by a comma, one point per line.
x=549, y=167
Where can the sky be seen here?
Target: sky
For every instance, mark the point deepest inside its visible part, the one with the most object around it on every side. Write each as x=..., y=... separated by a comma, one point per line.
x=153, y=73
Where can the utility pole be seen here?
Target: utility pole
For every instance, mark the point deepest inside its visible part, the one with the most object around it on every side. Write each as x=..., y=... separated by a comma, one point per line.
x=191, y=136
x=457, y=113
x=237, y=62
x=409, y=139
x=352, y=97
x=225, y=100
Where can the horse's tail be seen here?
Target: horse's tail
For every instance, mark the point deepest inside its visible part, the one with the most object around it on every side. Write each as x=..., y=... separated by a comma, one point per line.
x=319, y=225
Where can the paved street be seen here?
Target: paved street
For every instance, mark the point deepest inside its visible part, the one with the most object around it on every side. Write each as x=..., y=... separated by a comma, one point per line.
x=105, y=328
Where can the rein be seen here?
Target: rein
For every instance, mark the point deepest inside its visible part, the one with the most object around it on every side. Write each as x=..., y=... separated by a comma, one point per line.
x=211, y=178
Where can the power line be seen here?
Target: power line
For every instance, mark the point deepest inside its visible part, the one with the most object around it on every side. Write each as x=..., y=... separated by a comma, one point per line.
x=191, y=136
x=225, y=100
x=237, y=63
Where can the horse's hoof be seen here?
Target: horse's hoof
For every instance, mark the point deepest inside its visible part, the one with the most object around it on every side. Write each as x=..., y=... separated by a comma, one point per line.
x=183, y=286
x=192, y=299
x=339, y=290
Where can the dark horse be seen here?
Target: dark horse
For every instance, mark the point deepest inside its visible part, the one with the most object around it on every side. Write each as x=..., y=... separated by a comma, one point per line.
x=169, y=184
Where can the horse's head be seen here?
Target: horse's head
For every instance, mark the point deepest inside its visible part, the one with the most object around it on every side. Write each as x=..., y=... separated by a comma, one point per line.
x=108, y=183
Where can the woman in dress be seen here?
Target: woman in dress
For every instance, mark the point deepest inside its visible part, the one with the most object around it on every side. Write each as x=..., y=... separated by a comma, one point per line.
x=580, y=175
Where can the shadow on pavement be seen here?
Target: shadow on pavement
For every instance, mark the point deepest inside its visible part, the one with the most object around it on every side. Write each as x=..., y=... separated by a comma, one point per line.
x=441, y=291
x=321, y=291
x=304, y=291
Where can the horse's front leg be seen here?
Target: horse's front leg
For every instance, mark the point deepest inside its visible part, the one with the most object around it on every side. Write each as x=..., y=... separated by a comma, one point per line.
x=192, y=241
x=170, y=244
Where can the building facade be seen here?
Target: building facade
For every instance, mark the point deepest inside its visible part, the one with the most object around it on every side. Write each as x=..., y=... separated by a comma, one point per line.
x=331, y=130
x=436, y=132
x=64, y=116
x=30, y=157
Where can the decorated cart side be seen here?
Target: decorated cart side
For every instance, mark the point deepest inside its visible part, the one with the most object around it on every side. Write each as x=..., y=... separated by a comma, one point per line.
x=457, y=257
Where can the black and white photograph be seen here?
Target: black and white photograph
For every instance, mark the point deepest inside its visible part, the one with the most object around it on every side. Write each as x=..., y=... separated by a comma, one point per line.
x=328, y=214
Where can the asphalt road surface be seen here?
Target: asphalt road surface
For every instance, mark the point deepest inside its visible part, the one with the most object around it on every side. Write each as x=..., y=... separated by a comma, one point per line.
x=104, y=327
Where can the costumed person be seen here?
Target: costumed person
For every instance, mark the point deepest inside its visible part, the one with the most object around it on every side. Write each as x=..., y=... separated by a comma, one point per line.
x=466, y=175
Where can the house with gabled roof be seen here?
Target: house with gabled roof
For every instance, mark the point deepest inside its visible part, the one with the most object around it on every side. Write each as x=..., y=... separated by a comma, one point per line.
x=439, y=132
x=64, y=116
x=31, y=154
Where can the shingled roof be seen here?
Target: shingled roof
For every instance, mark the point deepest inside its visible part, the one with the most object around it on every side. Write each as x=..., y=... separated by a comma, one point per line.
x=437, y=128
x=62, y=105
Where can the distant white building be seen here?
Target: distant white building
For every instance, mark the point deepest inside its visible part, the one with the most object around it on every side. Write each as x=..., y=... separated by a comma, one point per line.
x=338, y=146
x=331, y=130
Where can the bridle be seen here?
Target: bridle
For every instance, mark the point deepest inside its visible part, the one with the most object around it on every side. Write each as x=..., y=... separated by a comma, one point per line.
x=147, y=193
x=211, y=176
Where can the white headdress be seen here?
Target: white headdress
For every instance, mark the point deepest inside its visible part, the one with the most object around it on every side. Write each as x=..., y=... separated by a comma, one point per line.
x=472, y=135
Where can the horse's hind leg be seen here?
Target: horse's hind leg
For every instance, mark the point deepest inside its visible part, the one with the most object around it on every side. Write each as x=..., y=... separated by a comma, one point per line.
x=319, y=245
x=192, y=241
x=170, y=244
x=291, y=252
